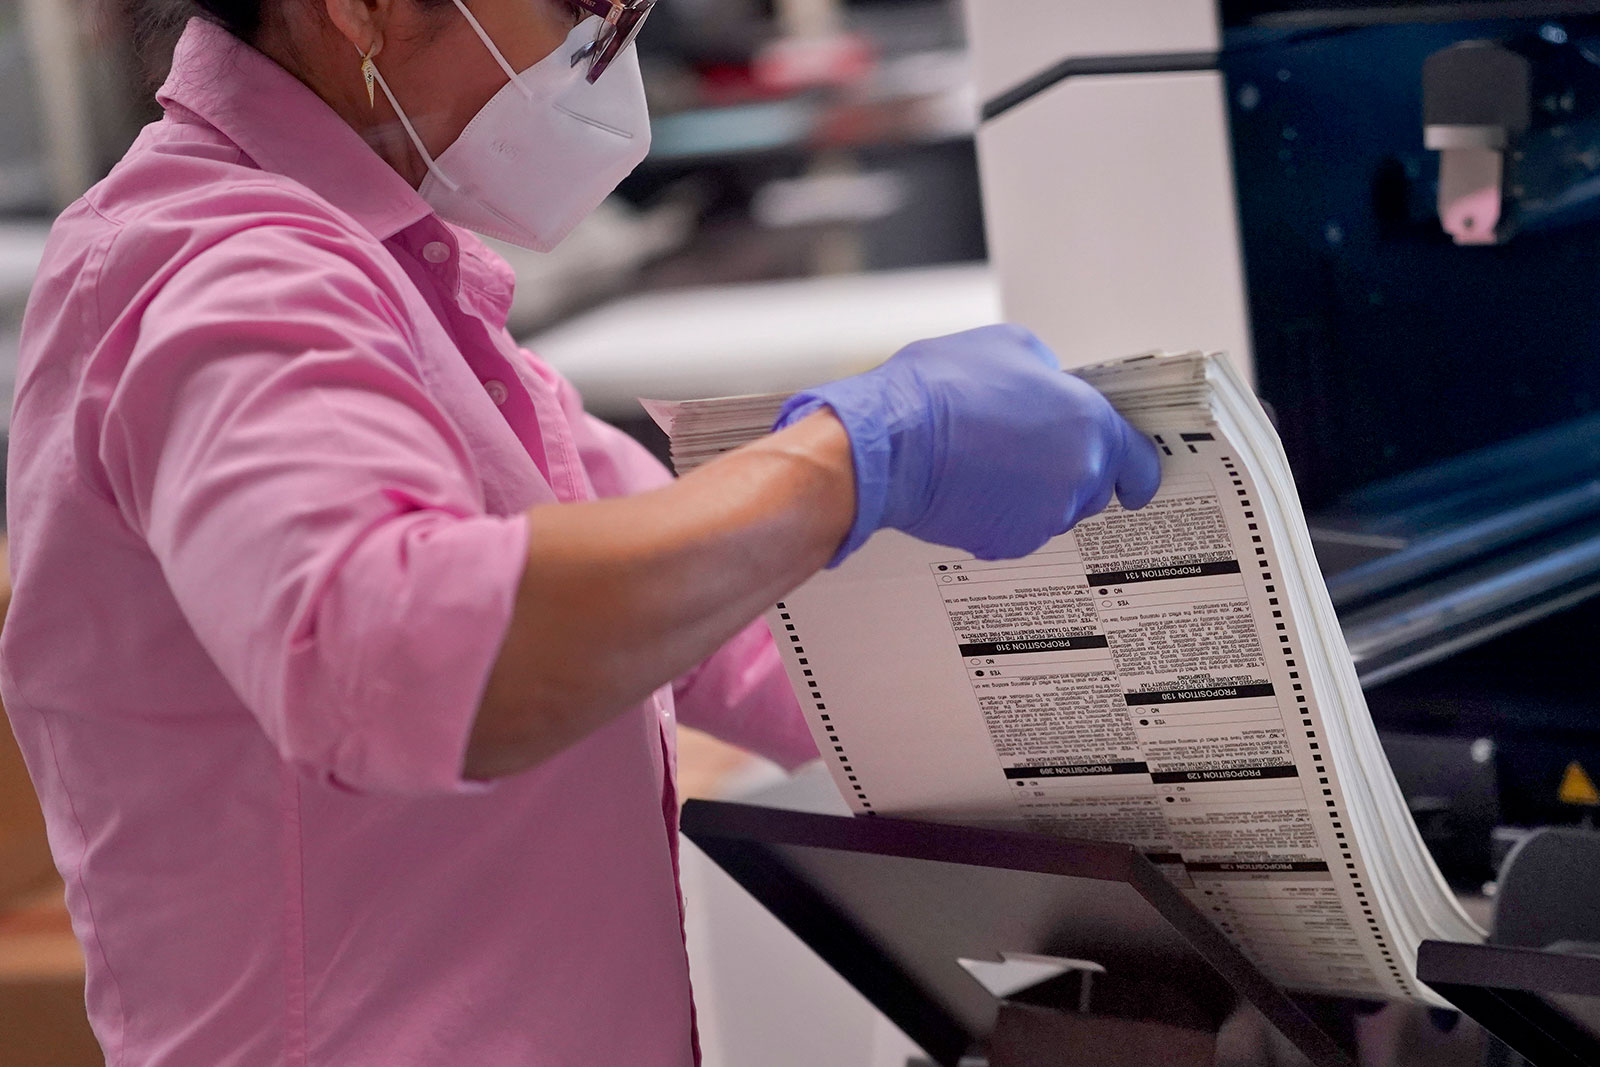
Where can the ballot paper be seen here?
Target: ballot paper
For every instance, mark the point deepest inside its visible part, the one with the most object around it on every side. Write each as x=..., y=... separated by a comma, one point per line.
x=1174, y=678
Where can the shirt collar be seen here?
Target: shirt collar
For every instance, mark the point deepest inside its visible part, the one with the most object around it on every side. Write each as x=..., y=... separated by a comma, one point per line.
x=286, y=128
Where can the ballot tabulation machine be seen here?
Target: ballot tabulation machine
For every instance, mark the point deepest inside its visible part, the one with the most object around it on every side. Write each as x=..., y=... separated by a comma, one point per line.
x=1388, y=214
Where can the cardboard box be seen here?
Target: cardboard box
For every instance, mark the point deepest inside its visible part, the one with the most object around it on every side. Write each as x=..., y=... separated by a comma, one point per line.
x=42, y=1018
x=24, y=854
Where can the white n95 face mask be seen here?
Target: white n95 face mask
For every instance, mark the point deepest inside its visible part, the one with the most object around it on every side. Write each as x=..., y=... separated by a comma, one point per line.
x=545, y=150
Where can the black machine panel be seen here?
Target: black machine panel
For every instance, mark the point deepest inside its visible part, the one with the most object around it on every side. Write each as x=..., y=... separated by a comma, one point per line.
x=1298, y=13
x=1440, y=403
x=1381, y=345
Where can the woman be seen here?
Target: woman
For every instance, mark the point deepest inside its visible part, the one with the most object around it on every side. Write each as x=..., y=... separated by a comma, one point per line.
x=345, y=649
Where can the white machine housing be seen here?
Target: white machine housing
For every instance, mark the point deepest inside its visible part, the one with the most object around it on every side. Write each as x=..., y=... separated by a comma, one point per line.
x=1109, y=196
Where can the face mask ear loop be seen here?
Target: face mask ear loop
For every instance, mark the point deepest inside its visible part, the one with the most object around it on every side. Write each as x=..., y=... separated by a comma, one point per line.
x=411, y=131
x=483, y=35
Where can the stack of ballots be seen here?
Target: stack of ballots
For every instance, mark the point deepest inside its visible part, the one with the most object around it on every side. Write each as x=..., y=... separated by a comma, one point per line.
x=701, y=430
x=1173, y=678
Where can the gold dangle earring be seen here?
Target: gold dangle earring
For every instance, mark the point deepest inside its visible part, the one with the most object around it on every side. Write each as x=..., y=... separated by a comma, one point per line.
x=369, y=73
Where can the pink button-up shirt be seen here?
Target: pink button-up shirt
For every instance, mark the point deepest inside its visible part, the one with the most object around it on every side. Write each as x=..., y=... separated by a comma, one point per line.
x=269, y=458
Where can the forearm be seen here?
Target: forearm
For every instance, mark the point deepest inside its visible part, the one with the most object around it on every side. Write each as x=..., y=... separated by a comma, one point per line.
x=621, y=596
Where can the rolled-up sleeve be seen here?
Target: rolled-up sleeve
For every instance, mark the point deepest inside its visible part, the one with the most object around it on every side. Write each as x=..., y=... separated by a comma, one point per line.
x=316, y=515
x=741, y=693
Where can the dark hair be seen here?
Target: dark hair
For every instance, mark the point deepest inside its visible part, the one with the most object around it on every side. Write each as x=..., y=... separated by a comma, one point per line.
x=241, y=17
x=153, y=26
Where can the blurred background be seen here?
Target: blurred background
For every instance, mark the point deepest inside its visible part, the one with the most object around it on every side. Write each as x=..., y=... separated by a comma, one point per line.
x=798, y=143
x=810, y=204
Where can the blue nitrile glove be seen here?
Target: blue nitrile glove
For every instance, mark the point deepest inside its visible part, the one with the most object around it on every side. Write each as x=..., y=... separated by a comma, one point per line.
x=978, y=440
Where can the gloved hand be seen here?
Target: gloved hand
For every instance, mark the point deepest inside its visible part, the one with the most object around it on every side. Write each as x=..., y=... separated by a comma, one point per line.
x=978, y=440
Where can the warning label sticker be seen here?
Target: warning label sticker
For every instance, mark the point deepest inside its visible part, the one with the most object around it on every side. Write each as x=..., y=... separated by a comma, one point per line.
x=1578, y=788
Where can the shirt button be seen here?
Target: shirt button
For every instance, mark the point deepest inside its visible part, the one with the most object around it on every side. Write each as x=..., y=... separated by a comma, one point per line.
x=435, y=251
x=497, y=391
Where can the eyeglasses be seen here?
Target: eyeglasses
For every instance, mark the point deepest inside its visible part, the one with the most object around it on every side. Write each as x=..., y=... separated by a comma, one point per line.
x=623, y=20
